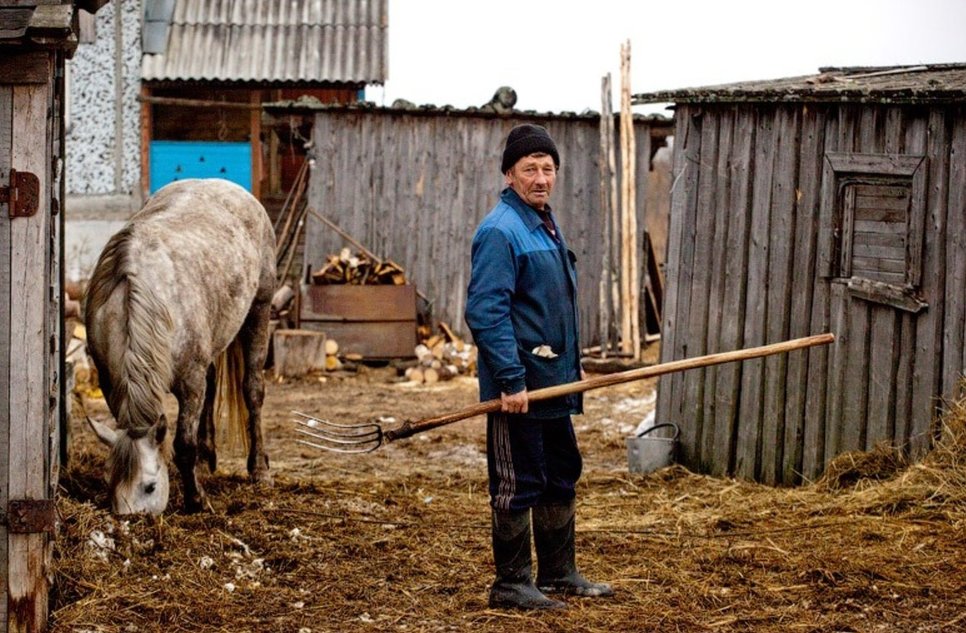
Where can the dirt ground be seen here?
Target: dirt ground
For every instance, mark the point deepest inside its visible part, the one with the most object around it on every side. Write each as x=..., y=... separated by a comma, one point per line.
x=398, y=539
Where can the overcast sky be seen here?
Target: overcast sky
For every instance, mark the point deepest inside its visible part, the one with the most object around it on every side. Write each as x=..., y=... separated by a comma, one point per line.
x=554, y=52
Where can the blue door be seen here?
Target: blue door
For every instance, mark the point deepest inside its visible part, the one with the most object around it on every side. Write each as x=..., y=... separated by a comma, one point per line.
x=177, y=160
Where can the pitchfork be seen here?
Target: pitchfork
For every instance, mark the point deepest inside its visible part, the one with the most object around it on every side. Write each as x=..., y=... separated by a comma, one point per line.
x=367, y=437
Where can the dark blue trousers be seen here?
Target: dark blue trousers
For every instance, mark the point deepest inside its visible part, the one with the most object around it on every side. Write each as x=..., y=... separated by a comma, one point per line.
x=531, y=461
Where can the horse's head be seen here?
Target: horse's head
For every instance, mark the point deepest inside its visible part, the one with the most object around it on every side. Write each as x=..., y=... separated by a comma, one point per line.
x=137, y=470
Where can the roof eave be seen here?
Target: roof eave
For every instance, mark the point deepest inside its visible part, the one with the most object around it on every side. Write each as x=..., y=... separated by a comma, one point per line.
x=739, y=96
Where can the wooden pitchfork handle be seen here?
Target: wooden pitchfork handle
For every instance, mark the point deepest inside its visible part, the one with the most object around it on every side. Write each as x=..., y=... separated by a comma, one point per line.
x=408, y=429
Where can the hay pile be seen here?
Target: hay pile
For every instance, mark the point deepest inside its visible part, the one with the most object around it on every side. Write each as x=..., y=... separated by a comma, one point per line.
x=402, y=544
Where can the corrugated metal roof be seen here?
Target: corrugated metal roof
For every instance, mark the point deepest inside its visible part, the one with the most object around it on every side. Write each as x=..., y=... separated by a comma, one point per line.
x=933, y=83
x=275, y=41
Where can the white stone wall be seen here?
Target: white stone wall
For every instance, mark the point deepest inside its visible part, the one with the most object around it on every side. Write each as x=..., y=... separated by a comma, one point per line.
x=94, y=143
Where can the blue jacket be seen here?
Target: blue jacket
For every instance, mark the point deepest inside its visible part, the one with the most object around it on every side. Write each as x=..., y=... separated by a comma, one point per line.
x=523, y=294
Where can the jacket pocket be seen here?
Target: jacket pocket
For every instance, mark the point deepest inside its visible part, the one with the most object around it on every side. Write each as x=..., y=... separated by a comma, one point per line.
x=543, y=372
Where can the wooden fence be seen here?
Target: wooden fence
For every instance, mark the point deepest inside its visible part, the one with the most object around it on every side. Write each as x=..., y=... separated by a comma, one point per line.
x=412, y=187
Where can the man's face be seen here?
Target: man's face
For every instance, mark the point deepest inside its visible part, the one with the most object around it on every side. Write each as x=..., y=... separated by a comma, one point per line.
x=532, y=177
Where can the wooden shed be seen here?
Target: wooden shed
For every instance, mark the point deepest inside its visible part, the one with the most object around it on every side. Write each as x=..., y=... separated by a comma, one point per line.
x=35, y=40
x=412, y=183
x=832, y=202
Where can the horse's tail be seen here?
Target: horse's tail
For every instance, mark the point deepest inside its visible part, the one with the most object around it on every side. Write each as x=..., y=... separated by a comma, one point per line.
x=140, y=369
x=229, y=398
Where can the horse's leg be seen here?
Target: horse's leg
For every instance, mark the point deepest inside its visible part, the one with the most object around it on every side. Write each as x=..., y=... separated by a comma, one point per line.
x=190, y=391
x=254, y=339
x=206, y=427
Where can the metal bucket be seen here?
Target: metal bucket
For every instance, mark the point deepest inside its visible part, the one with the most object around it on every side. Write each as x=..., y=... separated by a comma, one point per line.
x=647, y=454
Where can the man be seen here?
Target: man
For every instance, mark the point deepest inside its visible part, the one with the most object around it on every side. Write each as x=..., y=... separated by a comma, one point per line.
x=522, y=310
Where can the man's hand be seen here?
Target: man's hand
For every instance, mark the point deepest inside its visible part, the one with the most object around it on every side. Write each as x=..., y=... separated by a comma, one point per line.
x=515, y=403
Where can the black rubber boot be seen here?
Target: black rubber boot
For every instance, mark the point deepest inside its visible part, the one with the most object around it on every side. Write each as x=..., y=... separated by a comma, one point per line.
x=553, y=531
x=514, y=588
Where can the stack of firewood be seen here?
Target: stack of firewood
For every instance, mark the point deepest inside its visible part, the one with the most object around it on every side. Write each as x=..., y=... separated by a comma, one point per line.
x=358, y=269
x=442, y=357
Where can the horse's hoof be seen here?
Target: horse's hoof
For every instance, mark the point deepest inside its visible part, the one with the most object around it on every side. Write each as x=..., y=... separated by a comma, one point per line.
x=209, y=459
x=196, y=505
x=263, y=477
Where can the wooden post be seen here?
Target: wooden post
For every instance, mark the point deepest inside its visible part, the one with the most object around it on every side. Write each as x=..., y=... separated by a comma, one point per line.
x=256, y=141
x=146, y=134
x=630, y=287
x=27, y=343
x=606, y=168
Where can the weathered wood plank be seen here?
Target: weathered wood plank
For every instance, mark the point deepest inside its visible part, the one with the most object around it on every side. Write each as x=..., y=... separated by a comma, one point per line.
x=674, y=345
x=728, y=377
x=845, y=142
x=954, y=335
x=883, y=362
x=700, y=287
x=804, y=430
x=25, y=68
x=781, y=240
x=715, y=457
x=927, y=373
x=748, y=450
x=29, y=388
x=6, y=281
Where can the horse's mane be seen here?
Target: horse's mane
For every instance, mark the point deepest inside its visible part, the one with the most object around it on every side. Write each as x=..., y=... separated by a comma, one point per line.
x=144, y=366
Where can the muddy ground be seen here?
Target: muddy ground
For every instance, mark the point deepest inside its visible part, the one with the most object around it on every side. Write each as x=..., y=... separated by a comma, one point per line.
x=398, y=539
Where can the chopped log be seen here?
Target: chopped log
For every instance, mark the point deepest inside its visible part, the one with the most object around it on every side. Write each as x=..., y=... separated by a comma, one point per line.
x=415, y=374
x=448, y=332
x=430, y=376
x=298, y=352
x=423, y=353
x=331, y=347
x=438, y=349
x=353, y=357
x=282, y=297
x=448, y=372
x=332, y=363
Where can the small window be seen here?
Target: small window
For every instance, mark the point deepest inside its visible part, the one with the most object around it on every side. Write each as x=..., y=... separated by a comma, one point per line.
x=876, y=231
x=873, y=224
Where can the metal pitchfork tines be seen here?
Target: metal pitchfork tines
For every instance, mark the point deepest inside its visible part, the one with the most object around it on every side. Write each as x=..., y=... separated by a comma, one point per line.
x=338, y=438
x=367, y=437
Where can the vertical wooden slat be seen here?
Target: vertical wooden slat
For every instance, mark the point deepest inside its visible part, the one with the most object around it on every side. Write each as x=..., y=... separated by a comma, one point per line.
x=839, y=300
x=29, y=353
x=6, y=281
x=147, y=131
x=714, y=456
x=781, y=240
x=748, y=450
x=955, y=314
x=883, y=363
x=695, y=329
x=805, y=370
x=927, y=373
x=727, y=378
x=671, y=403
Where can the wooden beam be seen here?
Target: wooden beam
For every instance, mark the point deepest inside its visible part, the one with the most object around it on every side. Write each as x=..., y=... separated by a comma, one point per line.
x=147, y=133
x=29, y=353
x=256, y=140
x=25, y=68
x=630, y=286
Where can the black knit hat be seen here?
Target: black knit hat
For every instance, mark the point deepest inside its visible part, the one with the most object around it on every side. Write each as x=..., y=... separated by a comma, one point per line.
x=527, y=139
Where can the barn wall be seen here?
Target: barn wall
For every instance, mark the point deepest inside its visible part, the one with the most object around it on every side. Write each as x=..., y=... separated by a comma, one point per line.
x=745, y=241
x=412, y=188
